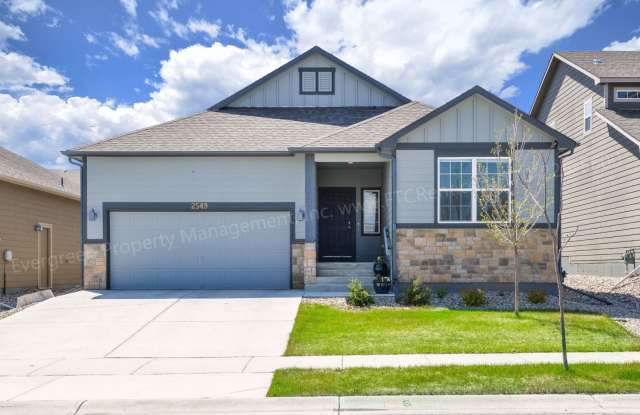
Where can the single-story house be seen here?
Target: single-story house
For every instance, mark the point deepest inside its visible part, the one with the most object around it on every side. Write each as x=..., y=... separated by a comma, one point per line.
x=315, y=163
x=39, y=224
x=594, y=98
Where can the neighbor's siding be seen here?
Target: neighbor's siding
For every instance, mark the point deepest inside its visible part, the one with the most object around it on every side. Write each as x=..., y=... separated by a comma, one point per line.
x=283, y=90
x=194, y=179
x=602, y=179
x=21, y=209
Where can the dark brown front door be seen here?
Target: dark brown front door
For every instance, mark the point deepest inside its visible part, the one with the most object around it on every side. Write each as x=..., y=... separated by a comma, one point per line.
x=337, y=223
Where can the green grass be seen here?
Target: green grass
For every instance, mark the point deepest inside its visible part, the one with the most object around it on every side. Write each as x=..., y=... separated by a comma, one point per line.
x=459, y=380
x=323, y=330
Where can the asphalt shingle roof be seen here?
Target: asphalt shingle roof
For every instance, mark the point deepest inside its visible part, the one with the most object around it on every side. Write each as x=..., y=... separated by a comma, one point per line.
x=613, y=64
x=17, y=169
x=629, y=120
x=372, y=131
x=236, y=130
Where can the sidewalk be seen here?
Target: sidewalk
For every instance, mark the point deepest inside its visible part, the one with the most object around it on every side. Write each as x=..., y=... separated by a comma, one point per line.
x=441, y=405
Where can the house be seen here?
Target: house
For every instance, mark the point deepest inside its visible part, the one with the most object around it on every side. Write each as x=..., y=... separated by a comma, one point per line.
x=594, y=98
x=308, y=173
x=39, y=224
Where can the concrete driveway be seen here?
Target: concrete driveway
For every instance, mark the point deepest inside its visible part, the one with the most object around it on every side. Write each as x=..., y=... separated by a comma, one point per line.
x=144, y=344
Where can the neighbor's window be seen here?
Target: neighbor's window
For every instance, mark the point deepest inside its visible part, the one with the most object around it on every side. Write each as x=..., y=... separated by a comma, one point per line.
x=461, y=182
x=317, y=81
x=371, y=211
x=587, y=116
x=627, y=94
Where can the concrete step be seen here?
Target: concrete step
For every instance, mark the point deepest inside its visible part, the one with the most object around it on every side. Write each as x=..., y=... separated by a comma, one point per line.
x=366, y=279
x=345, y=273
x=345, y=265
x=334, y=287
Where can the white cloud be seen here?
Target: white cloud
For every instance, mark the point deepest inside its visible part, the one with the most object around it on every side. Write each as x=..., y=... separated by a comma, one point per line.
x=9, y=32
x=90, y=38
x=208, y=28
x=129, y=6
x=509, y=92
x=631, y=44
x=19, y=71
x=426, y=51
x=27, y=7
x=127, y=46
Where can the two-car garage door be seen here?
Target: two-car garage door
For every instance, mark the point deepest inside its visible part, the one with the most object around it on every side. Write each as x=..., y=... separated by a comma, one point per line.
x=200, y=250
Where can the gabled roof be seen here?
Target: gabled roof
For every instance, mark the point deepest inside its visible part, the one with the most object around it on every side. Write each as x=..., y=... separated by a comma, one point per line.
x=233, y=130
x=20, y=171
x=601, y=66
x=626, y=123
x=563, y=141
x=366, y=134
x=295, y=61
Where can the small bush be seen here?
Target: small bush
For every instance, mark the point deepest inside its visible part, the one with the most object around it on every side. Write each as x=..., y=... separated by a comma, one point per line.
x=417, y=294
x=358, y=296
x=537, y=296
x=473, y=297
x=441, y=292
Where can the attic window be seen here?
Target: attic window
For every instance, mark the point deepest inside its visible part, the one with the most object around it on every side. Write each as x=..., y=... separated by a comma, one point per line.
x=627, y=94
x=317, y=81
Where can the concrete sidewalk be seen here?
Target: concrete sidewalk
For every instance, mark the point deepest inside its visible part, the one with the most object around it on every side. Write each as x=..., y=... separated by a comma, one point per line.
x=442, y=405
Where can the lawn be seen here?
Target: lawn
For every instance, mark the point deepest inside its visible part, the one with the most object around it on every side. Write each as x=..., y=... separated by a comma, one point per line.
x=459, y=380
x=323, y=330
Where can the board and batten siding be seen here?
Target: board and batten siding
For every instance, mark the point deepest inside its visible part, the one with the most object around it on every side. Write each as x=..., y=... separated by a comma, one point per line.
x=415, y=186
x=602, y=179
x=194, y=179
x=283, y=90
x=474, y=120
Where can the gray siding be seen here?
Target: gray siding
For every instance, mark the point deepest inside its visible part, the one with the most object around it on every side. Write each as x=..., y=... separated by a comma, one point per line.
x=602, y=179
x=415, y=186
x=284, y=90
x=370, y=246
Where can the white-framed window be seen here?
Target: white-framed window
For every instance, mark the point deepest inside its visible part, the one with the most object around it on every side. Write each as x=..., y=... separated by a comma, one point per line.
x=371, y=211
x=587, y=115
x=626, y=94
x=461, y=180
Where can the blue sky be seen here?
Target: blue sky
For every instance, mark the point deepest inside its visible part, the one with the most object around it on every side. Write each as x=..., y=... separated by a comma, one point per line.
x=74, y=72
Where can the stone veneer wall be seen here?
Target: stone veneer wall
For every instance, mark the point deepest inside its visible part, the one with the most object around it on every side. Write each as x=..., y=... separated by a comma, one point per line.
x=95, y=266
x=470, y=255
x=297, y=265
x=310, y=260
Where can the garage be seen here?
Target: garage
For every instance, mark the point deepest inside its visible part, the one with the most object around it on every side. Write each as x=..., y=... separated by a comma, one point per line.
x=239, y=250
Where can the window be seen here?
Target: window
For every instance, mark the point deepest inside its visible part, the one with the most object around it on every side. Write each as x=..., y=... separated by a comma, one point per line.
x=627, y=94
x=317, y=81
x=461, y=182
x=371, y=211
x=587, y=116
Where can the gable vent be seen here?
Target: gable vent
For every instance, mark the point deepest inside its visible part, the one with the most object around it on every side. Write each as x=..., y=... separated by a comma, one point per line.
x=308, y=81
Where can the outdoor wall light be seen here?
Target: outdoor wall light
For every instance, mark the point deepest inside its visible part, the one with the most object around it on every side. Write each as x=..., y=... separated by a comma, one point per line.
x=301, y=215
x=93, y=215
x=39, y=227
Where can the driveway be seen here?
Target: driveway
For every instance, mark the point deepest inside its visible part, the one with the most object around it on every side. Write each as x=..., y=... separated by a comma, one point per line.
x=144, y=344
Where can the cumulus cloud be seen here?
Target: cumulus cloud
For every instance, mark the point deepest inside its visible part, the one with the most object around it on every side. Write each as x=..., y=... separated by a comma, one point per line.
x=19, y=71
x=129, y=6
x=427, y=51
x=9, y=32
x=631, y=44
x=27, y=7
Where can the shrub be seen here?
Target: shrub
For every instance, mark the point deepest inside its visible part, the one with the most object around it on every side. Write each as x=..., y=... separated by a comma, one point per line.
x=417, y=294
x=358, y=296
x=473, y=297
x=537, y=296
x=441, y=292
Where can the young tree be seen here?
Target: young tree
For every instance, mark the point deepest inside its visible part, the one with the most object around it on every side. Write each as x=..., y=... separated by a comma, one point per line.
x=508, y=213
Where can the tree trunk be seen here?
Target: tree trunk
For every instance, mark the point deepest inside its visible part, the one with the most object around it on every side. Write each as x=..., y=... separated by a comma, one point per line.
x=563, y=335
x=516, y=277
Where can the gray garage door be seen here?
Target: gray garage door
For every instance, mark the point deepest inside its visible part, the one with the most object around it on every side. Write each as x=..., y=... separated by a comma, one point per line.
x=200, y=250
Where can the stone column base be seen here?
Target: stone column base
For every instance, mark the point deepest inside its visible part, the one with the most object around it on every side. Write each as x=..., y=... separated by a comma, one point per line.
x=95, y=266
x=297, y=266
x=309, y=262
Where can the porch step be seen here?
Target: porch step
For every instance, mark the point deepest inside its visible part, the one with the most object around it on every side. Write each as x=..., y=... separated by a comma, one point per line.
x=344, y=279
x=368, y=266
x=344, y=288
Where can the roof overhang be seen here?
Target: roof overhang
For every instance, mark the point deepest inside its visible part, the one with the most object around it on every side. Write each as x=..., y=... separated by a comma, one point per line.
x=618, y=128
x=333, y=149
x=76, y=154
x=40, y=188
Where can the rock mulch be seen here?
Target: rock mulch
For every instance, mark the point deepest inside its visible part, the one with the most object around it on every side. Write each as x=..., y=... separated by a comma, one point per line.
x=624, y=308
x=11, y=299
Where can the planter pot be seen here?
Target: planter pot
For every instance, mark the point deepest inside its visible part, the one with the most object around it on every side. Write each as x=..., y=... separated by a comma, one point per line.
x=381, y=287
x=379, y=268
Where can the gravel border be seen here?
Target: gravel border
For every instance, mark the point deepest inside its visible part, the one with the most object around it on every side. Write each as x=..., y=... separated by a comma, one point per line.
x=11, y=299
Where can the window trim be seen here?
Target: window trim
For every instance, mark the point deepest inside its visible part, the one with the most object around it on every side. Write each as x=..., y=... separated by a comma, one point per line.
x=474, y=186
x=317, y=70
x=379, y=211
x=623, y=88
x=584, y=116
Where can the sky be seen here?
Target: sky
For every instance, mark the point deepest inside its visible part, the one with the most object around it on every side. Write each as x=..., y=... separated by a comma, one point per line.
x=74, y=72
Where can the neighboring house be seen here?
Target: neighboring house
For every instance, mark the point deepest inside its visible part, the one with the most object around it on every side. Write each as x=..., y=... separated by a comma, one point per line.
x=594, y=98
x=39, y=223
x=313, y=164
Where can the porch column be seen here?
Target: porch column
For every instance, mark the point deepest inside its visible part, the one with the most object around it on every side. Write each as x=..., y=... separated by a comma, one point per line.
x=311, y=218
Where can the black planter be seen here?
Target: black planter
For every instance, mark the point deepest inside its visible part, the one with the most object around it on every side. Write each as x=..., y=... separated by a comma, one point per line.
x=379, y=268
x=381, y=287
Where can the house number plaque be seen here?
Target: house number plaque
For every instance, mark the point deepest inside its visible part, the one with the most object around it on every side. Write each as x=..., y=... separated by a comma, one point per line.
x=199, y=206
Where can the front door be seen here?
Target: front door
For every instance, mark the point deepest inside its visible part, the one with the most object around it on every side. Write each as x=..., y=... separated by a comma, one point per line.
x=337, y=223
